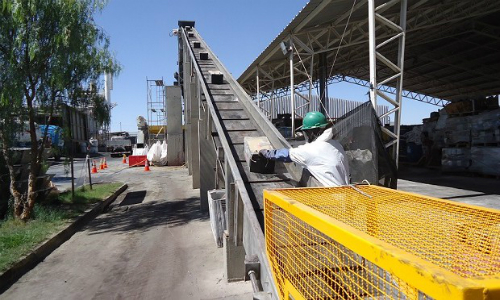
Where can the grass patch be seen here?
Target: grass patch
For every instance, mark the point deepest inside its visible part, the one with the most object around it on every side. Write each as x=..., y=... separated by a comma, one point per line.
x=85, y=196
x=18, y=238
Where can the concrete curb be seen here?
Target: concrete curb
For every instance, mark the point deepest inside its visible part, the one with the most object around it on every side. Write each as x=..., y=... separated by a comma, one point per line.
x=28, y=262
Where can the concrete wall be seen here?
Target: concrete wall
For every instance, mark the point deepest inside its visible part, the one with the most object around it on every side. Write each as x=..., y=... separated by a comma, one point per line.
x=175, y=153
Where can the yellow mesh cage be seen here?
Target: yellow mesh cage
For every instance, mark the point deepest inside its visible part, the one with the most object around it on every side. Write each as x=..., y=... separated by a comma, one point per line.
x=369, y=242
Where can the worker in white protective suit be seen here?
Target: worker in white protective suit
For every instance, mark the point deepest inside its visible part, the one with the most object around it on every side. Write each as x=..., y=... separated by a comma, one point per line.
x=323, y=156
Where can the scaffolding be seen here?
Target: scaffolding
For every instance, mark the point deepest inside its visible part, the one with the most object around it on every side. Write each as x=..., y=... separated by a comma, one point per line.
x=157, y=110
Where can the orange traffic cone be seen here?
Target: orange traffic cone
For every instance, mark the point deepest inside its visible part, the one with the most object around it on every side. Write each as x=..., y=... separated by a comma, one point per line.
x=146, y=167
x=124, y=160
x=101, y=165
x=105, y=164
x=94, y=168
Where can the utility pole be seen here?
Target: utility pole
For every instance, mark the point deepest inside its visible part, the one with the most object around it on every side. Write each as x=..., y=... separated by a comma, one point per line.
x=72, y=171
x=72, y=152
x=88, y=167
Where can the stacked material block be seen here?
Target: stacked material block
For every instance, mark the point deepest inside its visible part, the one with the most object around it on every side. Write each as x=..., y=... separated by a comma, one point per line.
x=469, y=143
x=485, y=128
x=485, y=160
x=456, y=159
x=252, y=146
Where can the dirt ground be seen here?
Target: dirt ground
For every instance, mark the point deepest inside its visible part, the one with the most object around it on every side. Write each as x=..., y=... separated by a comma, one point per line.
x=153, y=243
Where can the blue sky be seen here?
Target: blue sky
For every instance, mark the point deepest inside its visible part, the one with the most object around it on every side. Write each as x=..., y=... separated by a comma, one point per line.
x=237, y=31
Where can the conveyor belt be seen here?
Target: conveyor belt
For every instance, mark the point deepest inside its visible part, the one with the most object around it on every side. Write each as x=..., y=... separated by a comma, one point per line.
x=237, y=124
x=231, y=116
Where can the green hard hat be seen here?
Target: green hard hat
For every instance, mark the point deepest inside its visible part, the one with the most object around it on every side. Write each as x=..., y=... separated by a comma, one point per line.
x=314, y=119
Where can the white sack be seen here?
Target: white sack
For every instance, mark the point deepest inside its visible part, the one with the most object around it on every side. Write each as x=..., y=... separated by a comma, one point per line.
x=163, y=157
x=154, y=153
x=140, y=151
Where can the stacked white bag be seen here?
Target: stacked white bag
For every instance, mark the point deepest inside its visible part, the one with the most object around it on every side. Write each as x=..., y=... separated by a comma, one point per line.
x=158, y=153
x=140, y=151
x=163, y=157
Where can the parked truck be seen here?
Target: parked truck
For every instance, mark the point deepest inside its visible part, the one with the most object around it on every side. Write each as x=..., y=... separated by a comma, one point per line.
x=119, y=144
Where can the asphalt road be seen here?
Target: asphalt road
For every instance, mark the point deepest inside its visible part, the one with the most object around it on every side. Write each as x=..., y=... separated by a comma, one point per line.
x=154, y=243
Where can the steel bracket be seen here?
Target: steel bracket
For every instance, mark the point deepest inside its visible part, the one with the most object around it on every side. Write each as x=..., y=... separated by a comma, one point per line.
x=252, y=264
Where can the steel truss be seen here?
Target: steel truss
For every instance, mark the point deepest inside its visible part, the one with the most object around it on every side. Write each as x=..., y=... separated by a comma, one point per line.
x=375, y=54
x=344, y=42
x=301, y=49
x=307, y=42
x=305, y=86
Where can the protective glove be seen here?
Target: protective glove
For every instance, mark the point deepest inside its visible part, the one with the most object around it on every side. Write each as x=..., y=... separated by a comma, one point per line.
x=278, y=154
x=264, y=153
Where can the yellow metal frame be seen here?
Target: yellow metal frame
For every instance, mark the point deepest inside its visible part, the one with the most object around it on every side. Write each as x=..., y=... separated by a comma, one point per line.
x=290, y=290
x=157, y=129
x=431, y=279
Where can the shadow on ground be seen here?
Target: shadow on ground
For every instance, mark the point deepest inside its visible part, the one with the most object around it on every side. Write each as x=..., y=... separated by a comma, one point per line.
x=133, y=198
x=488, y=186
x=148, y=215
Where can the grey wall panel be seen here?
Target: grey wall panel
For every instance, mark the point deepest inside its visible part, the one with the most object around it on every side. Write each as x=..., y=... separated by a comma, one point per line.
x=175, y=153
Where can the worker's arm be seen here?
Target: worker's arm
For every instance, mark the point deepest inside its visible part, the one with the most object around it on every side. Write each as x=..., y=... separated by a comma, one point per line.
x=278, y=154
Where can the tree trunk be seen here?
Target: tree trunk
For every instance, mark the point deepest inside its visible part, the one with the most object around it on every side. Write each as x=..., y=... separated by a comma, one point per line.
x=36, y=157
x=34, y=164
x=19, y=199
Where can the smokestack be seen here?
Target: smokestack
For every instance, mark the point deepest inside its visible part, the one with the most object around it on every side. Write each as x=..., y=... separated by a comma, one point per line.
x=108, y=86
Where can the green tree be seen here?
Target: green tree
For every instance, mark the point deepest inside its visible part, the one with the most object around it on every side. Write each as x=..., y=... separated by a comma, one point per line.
x=51, y=52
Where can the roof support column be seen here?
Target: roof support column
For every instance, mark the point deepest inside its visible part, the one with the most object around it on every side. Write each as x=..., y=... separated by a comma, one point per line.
x=273, y=95
x=311, y=84
x=258, y=87
x=323, y=88
x=399, y=82
x=371, y=52
x=374, y=15
x=292, y=87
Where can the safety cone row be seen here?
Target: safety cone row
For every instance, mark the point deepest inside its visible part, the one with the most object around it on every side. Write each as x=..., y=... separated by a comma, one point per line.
x=94, y=168
x=146, y=167
x=124, y=160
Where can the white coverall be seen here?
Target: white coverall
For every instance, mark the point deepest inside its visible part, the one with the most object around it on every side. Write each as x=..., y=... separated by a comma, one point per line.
x=325, y=159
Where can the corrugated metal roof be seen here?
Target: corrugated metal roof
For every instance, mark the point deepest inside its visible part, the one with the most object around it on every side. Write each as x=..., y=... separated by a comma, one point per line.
x=452, y=47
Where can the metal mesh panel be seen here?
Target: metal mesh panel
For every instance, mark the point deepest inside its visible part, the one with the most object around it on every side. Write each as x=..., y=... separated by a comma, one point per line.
x=457, y=238
x=360, y=133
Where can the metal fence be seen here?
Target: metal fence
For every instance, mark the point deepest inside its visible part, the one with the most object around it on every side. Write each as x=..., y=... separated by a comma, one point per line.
x=335, y=107
x=369, y=242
